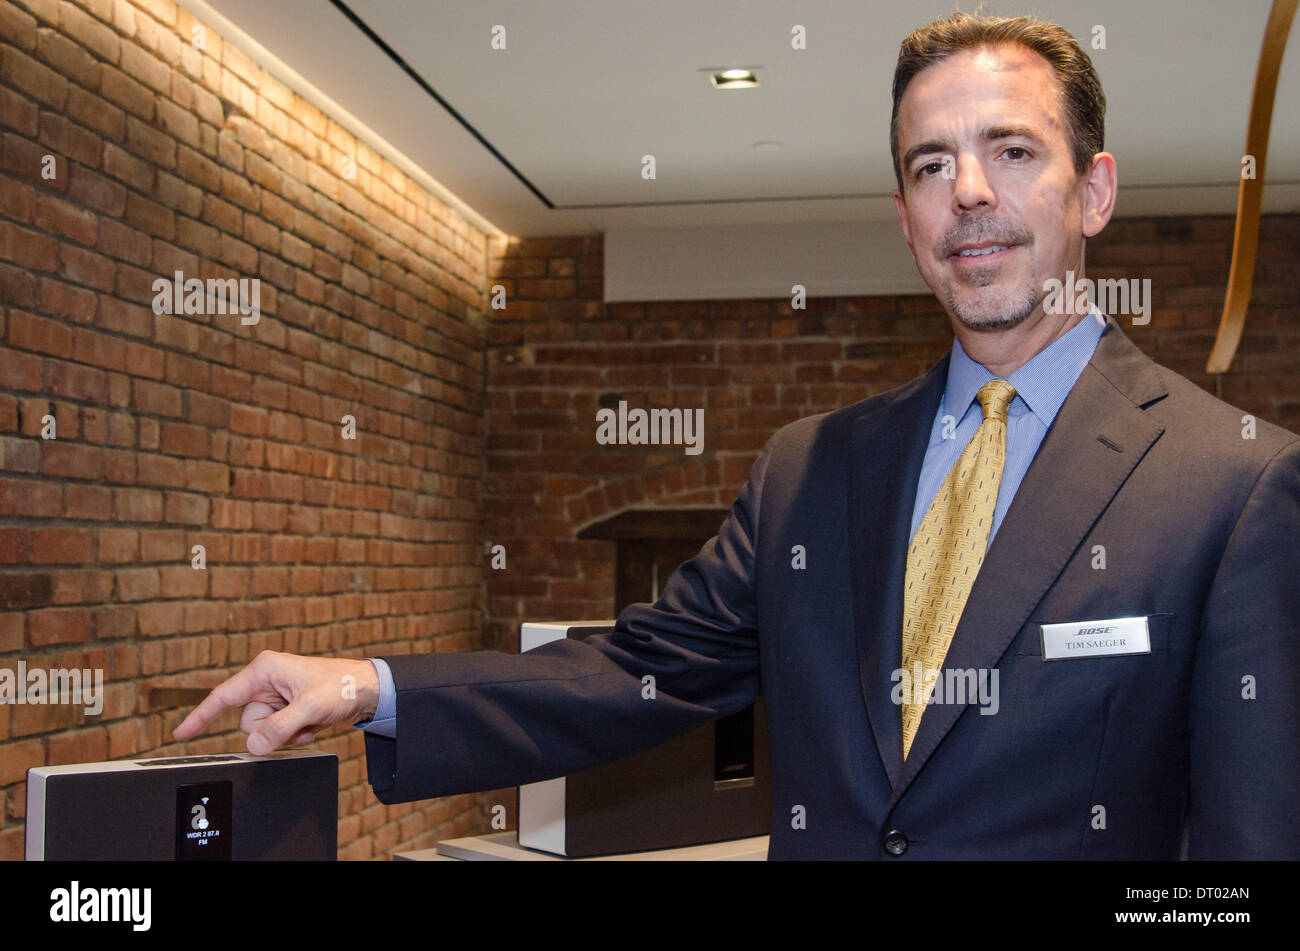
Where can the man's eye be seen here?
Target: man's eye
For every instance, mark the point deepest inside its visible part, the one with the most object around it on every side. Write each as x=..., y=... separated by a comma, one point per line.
x=926, y=168
x=1024, y=153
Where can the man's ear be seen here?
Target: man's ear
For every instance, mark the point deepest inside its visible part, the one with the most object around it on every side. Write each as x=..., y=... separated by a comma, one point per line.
x=903, y=220
x=1099, y=192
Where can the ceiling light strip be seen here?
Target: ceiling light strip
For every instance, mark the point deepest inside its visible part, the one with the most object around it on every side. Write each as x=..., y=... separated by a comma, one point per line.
x=295, y=81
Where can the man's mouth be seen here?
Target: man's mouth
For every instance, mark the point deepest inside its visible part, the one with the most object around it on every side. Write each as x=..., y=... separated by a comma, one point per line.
x=982, y=250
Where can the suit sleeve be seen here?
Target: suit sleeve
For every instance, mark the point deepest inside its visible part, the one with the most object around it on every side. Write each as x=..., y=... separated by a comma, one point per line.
x=1245, y=702
x=488, y=720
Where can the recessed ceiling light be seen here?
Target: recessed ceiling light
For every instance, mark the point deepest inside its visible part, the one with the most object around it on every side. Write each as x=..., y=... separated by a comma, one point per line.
x=733, y=79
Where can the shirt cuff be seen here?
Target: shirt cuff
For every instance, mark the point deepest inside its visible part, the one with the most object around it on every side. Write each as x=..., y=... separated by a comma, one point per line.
x=384, y=722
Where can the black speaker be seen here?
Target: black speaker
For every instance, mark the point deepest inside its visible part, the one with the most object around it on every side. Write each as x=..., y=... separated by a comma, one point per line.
x=225, y=807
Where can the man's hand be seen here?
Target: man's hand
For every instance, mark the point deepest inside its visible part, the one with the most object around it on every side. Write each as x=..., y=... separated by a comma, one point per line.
x=288, y=699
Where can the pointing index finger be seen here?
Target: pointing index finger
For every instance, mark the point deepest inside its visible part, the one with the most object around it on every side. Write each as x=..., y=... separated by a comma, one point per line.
x=236, y=691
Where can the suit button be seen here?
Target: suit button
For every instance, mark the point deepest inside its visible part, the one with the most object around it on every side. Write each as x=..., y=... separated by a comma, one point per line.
x=895, y=843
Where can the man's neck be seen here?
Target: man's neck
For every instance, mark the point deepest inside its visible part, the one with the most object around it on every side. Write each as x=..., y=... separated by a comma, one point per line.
x=1003, y=352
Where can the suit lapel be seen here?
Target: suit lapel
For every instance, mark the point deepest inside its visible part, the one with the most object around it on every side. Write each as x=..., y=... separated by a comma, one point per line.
x=1100, y=434
x=888, y=447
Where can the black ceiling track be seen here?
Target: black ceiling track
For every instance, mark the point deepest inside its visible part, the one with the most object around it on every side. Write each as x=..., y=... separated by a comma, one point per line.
x=420, y=81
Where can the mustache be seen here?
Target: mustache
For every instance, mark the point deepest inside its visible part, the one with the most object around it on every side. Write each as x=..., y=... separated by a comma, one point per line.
x=976, y=230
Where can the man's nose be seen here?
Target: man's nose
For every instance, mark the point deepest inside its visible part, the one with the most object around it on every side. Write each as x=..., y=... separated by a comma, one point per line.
x=971, y=188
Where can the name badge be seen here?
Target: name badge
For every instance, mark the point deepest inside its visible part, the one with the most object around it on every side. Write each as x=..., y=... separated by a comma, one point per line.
x=1124, y=635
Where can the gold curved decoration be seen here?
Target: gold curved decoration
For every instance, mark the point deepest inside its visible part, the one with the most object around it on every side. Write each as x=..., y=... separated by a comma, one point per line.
x=1245, y=239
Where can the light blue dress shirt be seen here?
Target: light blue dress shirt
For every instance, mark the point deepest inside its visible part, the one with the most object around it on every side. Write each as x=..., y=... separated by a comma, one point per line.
x=1041, y=385
x=385, y=719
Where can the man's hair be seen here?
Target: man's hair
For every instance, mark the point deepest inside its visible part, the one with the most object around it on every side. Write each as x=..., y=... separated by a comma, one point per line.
x=1078, y=86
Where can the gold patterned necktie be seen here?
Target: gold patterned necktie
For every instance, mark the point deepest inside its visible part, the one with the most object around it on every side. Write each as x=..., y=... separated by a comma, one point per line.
x=948, y=550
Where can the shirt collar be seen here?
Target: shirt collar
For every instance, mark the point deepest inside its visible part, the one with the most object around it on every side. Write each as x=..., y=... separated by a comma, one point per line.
x=1041, y=385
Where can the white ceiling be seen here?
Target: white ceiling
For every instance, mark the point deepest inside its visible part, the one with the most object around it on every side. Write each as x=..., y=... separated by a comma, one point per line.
x=586, y=87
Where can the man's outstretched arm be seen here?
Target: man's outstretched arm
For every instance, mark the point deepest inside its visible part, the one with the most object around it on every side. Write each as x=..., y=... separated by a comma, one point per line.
x=486, y=719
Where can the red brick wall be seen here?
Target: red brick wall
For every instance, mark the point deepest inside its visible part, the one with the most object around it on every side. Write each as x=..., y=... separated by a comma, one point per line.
x=175, y=431
x=755, y=365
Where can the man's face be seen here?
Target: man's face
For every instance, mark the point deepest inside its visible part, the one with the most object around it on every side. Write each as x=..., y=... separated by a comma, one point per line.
x=991, y=205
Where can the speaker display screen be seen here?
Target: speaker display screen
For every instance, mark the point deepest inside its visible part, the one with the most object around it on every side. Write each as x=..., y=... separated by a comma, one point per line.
x=203, y=832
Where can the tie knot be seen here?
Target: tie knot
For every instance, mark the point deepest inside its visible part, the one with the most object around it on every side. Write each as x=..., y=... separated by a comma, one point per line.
x=995, y=396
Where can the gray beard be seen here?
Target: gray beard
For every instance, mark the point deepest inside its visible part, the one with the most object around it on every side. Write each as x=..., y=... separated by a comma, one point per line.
x=978, y=320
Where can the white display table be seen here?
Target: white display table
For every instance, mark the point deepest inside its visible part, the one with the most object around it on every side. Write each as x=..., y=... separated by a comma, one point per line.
x=504, y=847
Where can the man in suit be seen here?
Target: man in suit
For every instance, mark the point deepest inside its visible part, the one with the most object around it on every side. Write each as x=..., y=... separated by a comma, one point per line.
x=1038, y=603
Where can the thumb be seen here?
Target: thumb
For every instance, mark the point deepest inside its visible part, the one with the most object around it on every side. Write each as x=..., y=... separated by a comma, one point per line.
x=277, y=729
